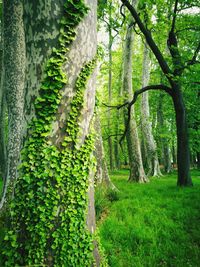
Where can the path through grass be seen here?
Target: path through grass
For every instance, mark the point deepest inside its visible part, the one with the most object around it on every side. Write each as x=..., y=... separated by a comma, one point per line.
x=154, y=224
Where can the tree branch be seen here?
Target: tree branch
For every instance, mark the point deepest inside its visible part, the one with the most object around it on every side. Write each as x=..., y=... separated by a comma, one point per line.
x=188, y=29
x=174, y=16
x=121, y=12
x=117, y=106
x=135, y=96
x=159, y=56
x=193, y=60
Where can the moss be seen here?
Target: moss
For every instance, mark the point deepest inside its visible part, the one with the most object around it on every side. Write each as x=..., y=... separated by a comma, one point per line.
x=48, y=212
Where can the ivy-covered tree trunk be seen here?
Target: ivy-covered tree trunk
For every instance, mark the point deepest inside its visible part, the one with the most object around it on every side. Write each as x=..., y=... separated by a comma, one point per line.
x=149, y=142
x=52, y=198
x=137, y=173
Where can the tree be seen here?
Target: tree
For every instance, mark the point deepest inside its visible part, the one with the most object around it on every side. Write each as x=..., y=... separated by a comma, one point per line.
x=109, y=20
x=135, y=158
x=174, y=90
x=149, y=142
x=102, y=175
x=49, y=58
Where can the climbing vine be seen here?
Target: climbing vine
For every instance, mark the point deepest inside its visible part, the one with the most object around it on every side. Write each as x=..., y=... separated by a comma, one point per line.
x=48, y=212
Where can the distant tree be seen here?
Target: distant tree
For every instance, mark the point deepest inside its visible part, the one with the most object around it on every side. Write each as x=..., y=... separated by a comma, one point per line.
x=173, y=74
x=137, y=173
x=146, y=126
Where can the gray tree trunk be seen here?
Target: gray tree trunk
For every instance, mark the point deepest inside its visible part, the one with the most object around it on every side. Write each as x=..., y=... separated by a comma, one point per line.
x=149, y=142
x=137, y=173
x=110, y=139
x=102, y=175
x=163, y=141
x=54, y=194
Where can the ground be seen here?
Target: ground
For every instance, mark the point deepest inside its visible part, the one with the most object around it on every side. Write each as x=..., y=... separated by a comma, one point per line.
x=154, y=224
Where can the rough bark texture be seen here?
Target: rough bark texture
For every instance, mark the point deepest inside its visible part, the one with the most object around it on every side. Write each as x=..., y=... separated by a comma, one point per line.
x=137, y=173
x=22, y=81
x=13, y=78
x=149, y=142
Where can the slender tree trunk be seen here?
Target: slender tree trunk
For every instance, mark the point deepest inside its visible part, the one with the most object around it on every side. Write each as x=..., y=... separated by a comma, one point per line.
x=183, y=154
x=163, y=142
x=137, y=173
x=149, y=142
x=110, y=139
x=198, y=160
x=102, y=175
x=167, y=156
x=116, y=143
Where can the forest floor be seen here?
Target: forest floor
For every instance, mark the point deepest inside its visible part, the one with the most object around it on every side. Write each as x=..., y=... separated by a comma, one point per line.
x=153, y=224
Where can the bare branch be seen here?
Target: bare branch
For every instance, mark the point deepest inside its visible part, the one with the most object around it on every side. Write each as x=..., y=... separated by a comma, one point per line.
x=121, y=12
x=188, y=29
x=112, y=135
x=117, y=106
x=135, y=96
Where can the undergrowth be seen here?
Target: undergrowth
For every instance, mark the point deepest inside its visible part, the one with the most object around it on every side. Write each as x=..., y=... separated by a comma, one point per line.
x=154, y=224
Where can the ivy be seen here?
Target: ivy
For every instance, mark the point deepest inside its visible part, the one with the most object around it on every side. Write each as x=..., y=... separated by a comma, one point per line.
x=48, y=212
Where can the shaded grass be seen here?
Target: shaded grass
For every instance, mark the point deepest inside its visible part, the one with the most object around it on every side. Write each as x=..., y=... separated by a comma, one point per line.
x=154, y=224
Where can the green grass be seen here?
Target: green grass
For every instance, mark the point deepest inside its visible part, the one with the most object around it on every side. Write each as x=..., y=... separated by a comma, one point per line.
x=154, y=224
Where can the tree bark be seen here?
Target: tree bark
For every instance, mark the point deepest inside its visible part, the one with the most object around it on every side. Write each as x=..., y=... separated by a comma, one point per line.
x=13, y=78
x=149, y=142
x=102, y=175
x=53, y=196
x=198, y=160
x=163, y=141
x=183, y=153
x=110, y=139
x=137, y=173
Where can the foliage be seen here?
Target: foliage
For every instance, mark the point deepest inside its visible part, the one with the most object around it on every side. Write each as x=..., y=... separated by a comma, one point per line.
x=154, y=224
x=103, y=198
x=48, y=212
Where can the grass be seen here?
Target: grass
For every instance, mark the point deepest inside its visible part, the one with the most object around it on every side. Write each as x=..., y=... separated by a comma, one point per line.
x=154, y=224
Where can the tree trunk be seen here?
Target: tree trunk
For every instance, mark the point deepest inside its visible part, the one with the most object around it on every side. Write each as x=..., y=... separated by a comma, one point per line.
x=198, y=160
x=116, y=143
x=54, y=193
x=110, y=139
x=137, y=173
x=149, y=142
x=163, y=141
x=183, y=154
x=167, y=156
x=102, y=176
